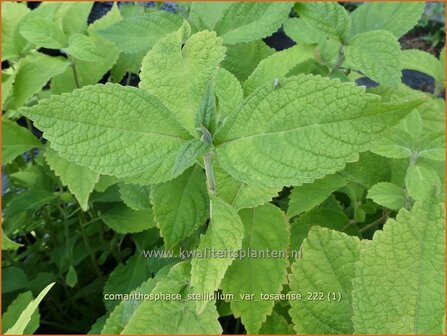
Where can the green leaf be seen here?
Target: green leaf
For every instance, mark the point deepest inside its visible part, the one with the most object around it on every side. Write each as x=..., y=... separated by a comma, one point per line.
x=71, y=279
x=327, y=266
x=377, y=55
x=422, y=61
x=180, y=206
x=130, y=135
x=243, y=58
x=276, y=324
x=277, y=66
x=308, y=196
x=188, y=155
x=8, y=244
x=112, y=16
x=73, y=16
x=400, y=278
x=14, y=310
x=135, y=196
x=239, y=194
x=27, y=314
x=266, y=228
x=140, y=33
x=33, y=177
x=81, y=47
x=174, y=316
x=16, y=140
x=340, y=115
x=125, y=278
x=43, y=33
x=79, y=180
x=301, y=32
x=224, y=235
x=249, y=21
x=329, y=18
x=204, y=15
x=421, y=180
x=29, y=201
x=125, y=220
x=228, y=91
x=395, y=17
x=186, y=70
x=33, y=74
x=388, y=195
x=12, y=42
x=13, y=279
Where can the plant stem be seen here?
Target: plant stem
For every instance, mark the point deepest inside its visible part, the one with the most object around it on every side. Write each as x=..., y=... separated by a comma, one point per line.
x=87, y=244
x=209, y=172
x=340, y=60
x=75, y=74
x=377, y=222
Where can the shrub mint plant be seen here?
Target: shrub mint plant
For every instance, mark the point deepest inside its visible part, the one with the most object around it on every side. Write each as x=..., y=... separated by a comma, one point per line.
x=226, y=145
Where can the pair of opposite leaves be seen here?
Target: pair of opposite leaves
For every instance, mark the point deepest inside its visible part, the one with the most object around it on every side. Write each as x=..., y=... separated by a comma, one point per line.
x=294, y=133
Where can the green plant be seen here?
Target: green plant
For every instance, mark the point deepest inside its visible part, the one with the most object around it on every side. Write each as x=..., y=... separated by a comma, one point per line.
x=207, y=156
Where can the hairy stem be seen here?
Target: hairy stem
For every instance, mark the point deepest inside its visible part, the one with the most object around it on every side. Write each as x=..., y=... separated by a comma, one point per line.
x=209, y=172
x=75, y=74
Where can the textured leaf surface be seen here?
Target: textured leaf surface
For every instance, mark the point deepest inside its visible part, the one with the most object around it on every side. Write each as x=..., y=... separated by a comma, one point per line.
x=113, y=130
x=422, y=61
x=82, y=48
x=329, y=18
x=139, y=33
x=308, y=119
x=126, y=220
x=377, y=55
x=243, y=58
x=14, y=310
x=421, y=180
x=239, y=194
x=180, y=206
x=204, y=15
x=300, y=31
x=396, y=17
x=266, y=228
x=249, y=21
x=388, y=195
x=33, y=73
x=135, y=196
x=228, y=91
x=224, y=235
x=308, y=196
x=79, y=180
x=43, y=33
x=188, y=155
x=327, y=266
x=186, y=70
x=400, y=278
x=277, y=66
x=170, y=316
x=16, y=140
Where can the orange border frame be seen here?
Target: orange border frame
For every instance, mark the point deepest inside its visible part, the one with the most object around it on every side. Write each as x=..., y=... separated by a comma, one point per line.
x=218, y=1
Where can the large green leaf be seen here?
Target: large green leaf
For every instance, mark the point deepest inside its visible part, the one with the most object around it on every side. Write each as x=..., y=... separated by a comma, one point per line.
x=72, y=16
x=33, y=73
x=82, y=48
x=180, y=206
x=396, y=17
x=174, y=316
x=113, y=130
x=266, y=228
x=135, y=196
x=223, y=236
x=228, y=91
x=329, y=18
x=16, y=140
x=276, y=126
x=388, y=195
x=302, y=32
x=79, y=180
x=400, y=278
x=377, y=55
x=249, y=21
x=139, y=33
x=204, y=15
x=327, y=267
x=277, y=66
x=183, y=67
